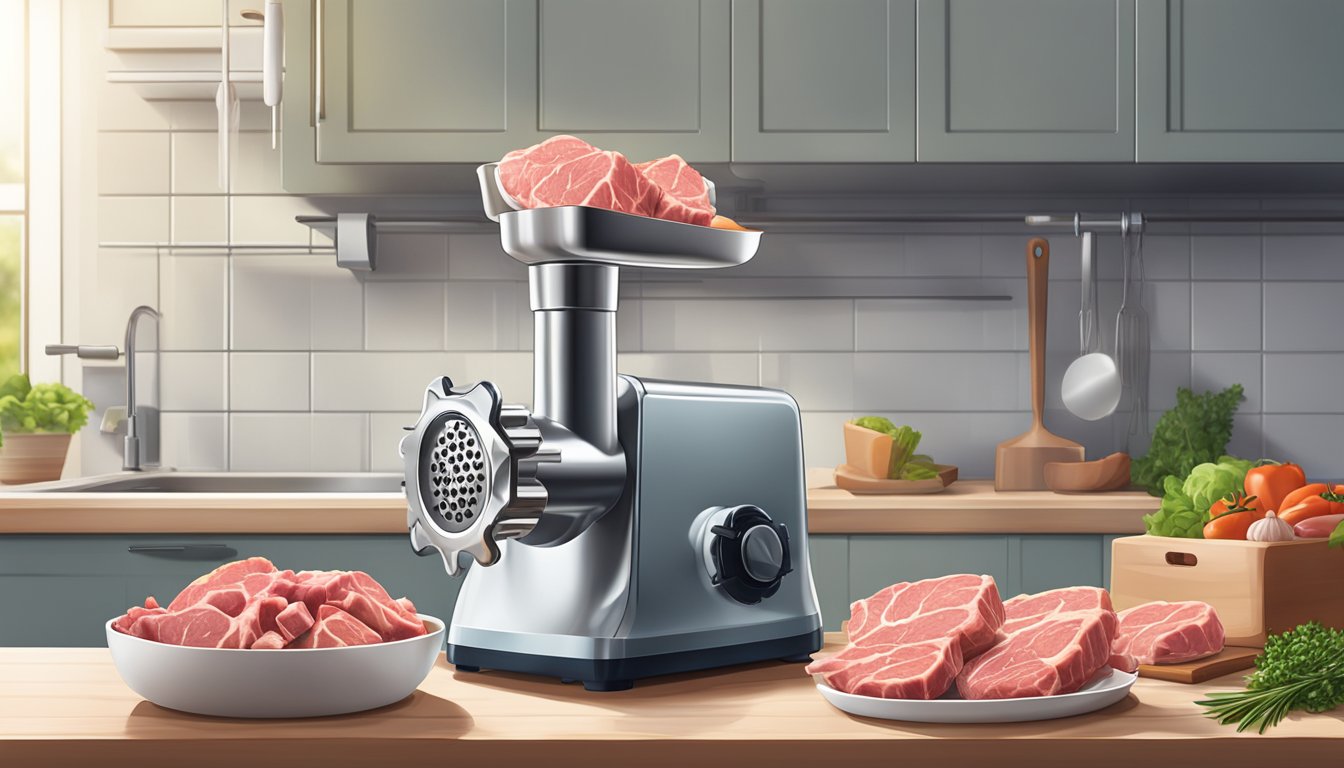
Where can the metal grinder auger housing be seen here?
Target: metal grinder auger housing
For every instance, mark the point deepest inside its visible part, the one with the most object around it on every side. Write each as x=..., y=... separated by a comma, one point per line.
x=622, y=527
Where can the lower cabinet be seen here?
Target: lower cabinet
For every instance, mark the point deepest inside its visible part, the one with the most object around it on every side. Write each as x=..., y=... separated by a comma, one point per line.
x=60, y=590
x=847, y=568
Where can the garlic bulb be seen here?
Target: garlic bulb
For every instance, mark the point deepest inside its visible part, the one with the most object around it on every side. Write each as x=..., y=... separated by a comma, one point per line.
x=1271, y=528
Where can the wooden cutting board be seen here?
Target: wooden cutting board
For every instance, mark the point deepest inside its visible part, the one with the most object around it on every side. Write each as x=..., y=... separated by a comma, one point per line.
x=1230, y=659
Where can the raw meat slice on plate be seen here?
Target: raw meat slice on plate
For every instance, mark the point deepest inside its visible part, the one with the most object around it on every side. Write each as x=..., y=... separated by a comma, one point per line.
x=1169, y=633
x=1055, y=643
x=910, y=639
x=334, y=629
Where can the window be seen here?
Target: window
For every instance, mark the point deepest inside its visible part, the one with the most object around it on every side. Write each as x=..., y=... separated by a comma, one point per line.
x=13, y=172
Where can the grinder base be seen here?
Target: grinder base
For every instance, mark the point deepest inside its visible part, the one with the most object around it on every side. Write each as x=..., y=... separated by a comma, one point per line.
x=619, y=674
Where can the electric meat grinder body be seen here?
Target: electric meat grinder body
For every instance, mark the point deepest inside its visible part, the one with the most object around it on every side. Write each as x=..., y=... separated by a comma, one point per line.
x=624, y=527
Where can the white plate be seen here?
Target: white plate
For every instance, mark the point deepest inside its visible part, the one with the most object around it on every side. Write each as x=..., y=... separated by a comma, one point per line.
x=1108, y=687
x=292, y=682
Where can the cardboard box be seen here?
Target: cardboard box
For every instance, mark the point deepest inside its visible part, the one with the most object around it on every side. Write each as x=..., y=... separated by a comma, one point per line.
x=1257, y=588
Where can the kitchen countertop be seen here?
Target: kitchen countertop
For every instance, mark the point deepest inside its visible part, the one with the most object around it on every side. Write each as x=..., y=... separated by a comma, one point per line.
x=67, y=706
x=967, y=506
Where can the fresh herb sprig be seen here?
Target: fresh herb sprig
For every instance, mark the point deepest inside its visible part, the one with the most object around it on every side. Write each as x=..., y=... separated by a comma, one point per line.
x=1302, y=669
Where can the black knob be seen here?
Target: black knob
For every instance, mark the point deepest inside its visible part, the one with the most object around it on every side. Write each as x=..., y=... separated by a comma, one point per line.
x=750, y=554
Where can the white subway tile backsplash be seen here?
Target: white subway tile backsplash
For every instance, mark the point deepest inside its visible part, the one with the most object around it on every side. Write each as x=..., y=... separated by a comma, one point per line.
x=256, y=167
x=287, y=302
x=270, y=220
x=1225, y=316
x=192, y=381
x=1225, y=257
x=133, y=220
x=268, y=381
x=195, y=441
x=481, y=257
x=1168, y=306
x=404, y=316
x=120, y=108
x=940, y=381
x=713, y=367
x=196, y=164
x=200, y=219
x=1311, y=440
x=824, y=437
x=1216, y=371
x=123, y=280
x=132, y=163
x=194, y=301
x=1293, y=383
x=483, y=316
x=819, y=381
x=943, y=255
x=743, y=325
x=385, y=433
x=895, y=324
x=1302, y=317
x=411, y=257
x=825, y=256
x=1304, y=257
x=1166, y=257
x=396, y=381
x=298, y=442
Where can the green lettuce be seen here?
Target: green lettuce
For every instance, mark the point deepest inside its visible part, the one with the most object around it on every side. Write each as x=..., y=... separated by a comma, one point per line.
x=1186, y=502
x=905, y=463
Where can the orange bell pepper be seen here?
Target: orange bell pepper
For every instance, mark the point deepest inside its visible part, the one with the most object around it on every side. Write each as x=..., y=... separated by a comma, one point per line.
x=1272, y=482
x=1314, y=506
x=1292, y=498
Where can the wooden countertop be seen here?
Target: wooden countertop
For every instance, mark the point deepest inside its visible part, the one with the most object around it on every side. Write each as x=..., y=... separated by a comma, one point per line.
x=68, y=706
x=967, y=506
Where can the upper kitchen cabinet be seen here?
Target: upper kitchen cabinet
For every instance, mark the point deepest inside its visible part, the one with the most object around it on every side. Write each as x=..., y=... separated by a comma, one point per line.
x=1240, y=81
x=823, y=82
x=644, y=78
x=423, y=81
x=379, y=82
x=1026, y=80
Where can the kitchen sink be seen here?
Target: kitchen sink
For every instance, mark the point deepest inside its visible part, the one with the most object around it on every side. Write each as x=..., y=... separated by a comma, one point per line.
x=223, y=482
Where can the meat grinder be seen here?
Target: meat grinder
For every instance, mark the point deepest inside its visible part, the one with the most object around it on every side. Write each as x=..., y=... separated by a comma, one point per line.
x=623, y=527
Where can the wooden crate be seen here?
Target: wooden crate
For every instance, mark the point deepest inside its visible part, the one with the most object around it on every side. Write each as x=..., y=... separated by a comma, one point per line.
x=1256, y=588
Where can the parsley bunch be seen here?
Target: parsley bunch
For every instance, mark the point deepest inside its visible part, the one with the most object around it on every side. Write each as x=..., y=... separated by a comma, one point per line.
x=1192, y=433
x=1302, y=669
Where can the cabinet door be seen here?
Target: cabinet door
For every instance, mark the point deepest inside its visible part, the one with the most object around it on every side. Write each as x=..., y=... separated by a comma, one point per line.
x=1026, y=80
x=1240, y=81
x=880, y=561
x=1039, y=563
x=823, y=82
x=646, y=79
x=424, y=81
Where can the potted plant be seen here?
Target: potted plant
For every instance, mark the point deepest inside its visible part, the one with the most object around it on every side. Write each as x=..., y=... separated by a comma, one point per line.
x=36, y=423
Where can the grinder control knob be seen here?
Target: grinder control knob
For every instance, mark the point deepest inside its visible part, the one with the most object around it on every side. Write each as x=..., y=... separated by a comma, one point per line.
x=745, y=552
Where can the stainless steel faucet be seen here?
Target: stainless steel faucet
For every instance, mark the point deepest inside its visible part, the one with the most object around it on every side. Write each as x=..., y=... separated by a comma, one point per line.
x=140, y=447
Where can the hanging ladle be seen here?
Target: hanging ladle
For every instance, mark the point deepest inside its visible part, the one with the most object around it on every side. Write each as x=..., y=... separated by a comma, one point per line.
x=1091, y=386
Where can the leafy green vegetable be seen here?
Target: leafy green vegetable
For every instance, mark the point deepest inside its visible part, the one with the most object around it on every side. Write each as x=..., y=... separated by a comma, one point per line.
x=42, y=408
x=1185, y=503
x=1193, y=432
x=905, y=440
x=1302, y=668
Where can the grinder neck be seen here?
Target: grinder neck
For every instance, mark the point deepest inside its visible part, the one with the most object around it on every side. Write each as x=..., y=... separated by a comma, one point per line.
x=574, y=359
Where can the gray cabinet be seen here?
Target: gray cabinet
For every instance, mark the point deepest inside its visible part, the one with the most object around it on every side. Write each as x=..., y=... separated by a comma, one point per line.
x=1051, y=561
x=1240, y=81
x=644, y=78
x=829, y=557
x=373, y=83
x=823, y=82
x=430, y=81
x=1026, y=80
x=59, y=590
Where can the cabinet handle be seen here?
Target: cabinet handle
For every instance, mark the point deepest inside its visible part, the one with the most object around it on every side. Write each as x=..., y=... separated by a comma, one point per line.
x=319, y=63
x=198, y=549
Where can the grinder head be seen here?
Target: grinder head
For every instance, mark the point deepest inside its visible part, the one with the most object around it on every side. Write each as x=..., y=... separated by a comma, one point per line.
x=469, y=479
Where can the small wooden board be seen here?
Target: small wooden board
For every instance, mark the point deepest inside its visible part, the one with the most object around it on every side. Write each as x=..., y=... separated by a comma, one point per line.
x=1230, y=659
x=854, y=481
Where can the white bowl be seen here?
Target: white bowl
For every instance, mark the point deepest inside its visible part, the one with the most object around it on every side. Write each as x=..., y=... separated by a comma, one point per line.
x=293, y=682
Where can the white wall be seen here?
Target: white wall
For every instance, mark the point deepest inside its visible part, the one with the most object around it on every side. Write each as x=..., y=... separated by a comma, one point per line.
x=282, y=361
